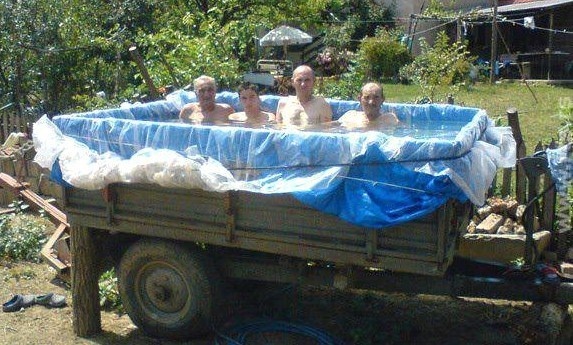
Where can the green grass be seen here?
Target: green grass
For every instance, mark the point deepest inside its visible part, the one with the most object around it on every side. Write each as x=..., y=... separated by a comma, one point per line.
x=537, y=105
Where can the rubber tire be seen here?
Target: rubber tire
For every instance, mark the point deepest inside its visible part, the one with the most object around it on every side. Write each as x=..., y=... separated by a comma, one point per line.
x=168, y=289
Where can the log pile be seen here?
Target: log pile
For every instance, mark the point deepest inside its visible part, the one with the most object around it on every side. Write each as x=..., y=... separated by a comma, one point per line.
x=501, y=216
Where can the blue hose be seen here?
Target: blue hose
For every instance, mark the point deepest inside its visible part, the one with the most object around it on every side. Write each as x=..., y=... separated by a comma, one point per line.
x=238, y=334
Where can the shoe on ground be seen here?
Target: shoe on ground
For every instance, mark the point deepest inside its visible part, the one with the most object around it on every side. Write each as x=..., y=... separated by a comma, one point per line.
x=51, y=300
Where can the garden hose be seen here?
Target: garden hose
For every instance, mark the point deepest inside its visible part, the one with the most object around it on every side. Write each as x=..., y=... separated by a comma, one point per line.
x=239, y=333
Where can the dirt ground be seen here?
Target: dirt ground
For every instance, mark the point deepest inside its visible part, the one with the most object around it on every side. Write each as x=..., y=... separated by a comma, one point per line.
x=356, y=317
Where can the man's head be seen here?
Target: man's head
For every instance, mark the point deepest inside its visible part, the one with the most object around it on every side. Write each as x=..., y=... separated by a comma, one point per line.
x=303, y=82
x=206, y=89
x=249, y=96
x=371, y=98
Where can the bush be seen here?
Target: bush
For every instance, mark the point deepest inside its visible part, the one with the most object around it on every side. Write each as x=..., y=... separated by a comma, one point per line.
x=382, y=56
x=22, y=236
x=347, y=86
x=109, y=298
x=333, y=62
x=441, y=65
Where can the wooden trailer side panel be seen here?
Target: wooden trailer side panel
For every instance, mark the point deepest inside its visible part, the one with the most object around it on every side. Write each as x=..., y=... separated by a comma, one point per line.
x=276, y=224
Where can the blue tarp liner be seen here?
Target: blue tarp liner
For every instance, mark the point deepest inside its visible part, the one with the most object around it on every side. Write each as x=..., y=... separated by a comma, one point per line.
x=373, y=178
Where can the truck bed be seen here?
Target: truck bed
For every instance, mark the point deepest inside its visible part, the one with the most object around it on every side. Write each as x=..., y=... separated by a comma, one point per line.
x=276, y=224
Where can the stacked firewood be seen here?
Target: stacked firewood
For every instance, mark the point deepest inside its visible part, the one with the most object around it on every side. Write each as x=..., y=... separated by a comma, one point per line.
x=502, y=216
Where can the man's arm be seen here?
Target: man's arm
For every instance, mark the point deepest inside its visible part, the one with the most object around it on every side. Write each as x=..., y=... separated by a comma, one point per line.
x=227, y=109
x=280, y=107
x=186, y=111
x=325, y=112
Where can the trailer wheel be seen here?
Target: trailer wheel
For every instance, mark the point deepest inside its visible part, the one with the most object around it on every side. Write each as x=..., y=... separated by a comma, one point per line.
x=168, y=289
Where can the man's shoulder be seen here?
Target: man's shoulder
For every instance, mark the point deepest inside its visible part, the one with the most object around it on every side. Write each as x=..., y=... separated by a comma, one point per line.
x=320, y=99
x=192, y=106
x=288, y=99
x=224, y=106
x=349, y=115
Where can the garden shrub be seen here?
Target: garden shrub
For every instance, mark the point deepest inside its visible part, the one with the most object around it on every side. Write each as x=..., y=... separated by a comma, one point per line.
x=109, y=298
x=382, y=56
x=444, y=64
x=22, y=236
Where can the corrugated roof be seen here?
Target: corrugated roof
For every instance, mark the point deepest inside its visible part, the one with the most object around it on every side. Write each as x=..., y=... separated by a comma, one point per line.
x=545, y=4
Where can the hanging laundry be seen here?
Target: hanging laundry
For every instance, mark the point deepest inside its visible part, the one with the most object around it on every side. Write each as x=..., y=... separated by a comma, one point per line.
x=529, y=22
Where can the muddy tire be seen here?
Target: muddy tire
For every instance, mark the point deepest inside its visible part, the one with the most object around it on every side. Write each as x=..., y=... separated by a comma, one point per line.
x=168, y=289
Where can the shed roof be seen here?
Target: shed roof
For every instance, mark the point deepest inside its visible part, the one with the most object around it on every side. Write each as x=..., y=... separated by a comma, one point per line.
x=543, y=4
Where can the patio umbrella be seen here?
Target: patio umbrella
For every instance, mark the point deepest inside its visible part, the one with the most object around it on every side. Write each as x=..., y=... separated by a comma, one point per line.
x=285, y=35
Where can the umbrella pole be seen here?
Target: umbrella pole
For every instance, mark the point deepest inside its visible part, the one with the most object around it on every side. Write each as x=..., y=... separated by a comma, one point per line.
x=285, y=51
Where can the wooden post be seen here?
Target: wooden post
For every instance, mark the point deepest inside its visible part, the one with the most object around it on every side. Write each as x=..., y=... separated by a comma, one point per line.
x=520, y=178
x=85, y=290
x=493, y=57
x=550, y=45
x=506, y=182
x=144, y=73
x=549, y=199
x=459, y=30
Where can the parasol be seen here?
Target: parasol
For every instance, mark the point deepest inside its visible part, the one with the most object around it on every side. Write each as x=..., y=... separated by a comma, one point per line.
x=285, y=35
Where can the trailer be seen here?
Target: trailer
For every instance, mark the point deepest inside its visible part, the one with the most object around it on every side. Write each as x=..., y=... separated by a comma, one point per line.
x=330, y=208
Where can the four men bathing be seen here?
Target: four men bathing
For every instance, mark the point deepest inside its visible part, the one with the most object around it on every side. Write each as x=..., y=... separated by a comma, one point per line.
x=303, y=109
x=371, y=98
x=205, y=110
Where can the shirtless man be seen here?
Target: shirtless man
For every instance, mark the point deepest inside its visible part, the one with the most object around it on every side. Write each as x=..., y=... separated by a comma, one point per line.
x=371, y=98
x=205, y=109
x=303, y=109
x=253, y=115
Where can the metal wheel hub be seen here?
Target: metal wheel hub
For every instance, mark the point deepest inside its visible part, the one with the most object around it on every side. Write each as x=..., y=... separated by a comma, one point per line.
x=164, y=288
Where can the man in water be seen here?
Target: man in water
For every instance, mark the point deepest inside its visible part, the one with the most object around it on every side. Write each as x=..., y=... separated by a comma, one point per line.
x=253, y=115
x=303, y=109
x=371, y=98
x=205, y=110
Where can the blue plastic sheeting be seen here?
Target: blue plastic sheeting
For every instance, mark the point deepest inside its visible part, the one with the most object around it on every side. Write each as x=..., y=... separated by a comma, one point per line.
x=561, y=164
x=374, y=179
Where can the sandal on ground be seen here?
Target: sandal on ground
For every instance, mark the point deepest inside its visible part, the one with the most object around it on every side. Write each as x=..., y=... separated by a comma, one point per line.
x=51, y=300
x=17, y=302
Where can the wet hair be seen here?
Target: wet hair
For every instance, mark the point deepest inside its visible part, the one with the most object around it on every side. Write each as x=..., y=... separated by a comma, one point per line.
x=204, y=78
x=248, y=86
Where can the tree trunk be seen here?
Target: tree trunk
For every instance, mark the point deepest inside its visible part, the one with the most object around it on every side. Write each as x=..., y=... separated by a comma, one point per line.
x=85, y=291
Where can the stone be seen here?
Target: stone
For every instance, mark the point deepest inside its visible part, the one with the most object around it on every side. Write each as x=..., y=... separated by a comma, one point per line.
x=519, y=212
x=503, y=249
x=490, y=224
x=484, y=212
x=566, y=268
x=512, y=207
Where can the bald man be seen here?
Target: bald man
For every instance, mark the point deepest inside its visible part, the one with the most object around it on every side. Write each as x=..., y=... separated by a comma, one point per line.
x=371, y=98
x=303, y=109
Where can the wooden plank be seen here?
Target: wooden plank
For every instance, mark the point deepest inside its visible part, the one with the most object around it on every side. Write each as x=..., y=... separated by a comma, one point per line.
x=520, y=178
x=47, y=249
x=549, y=199
x=353, y=255
x=230, y=211
x=5, y=126
x=201, y=216
x=506, y=182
